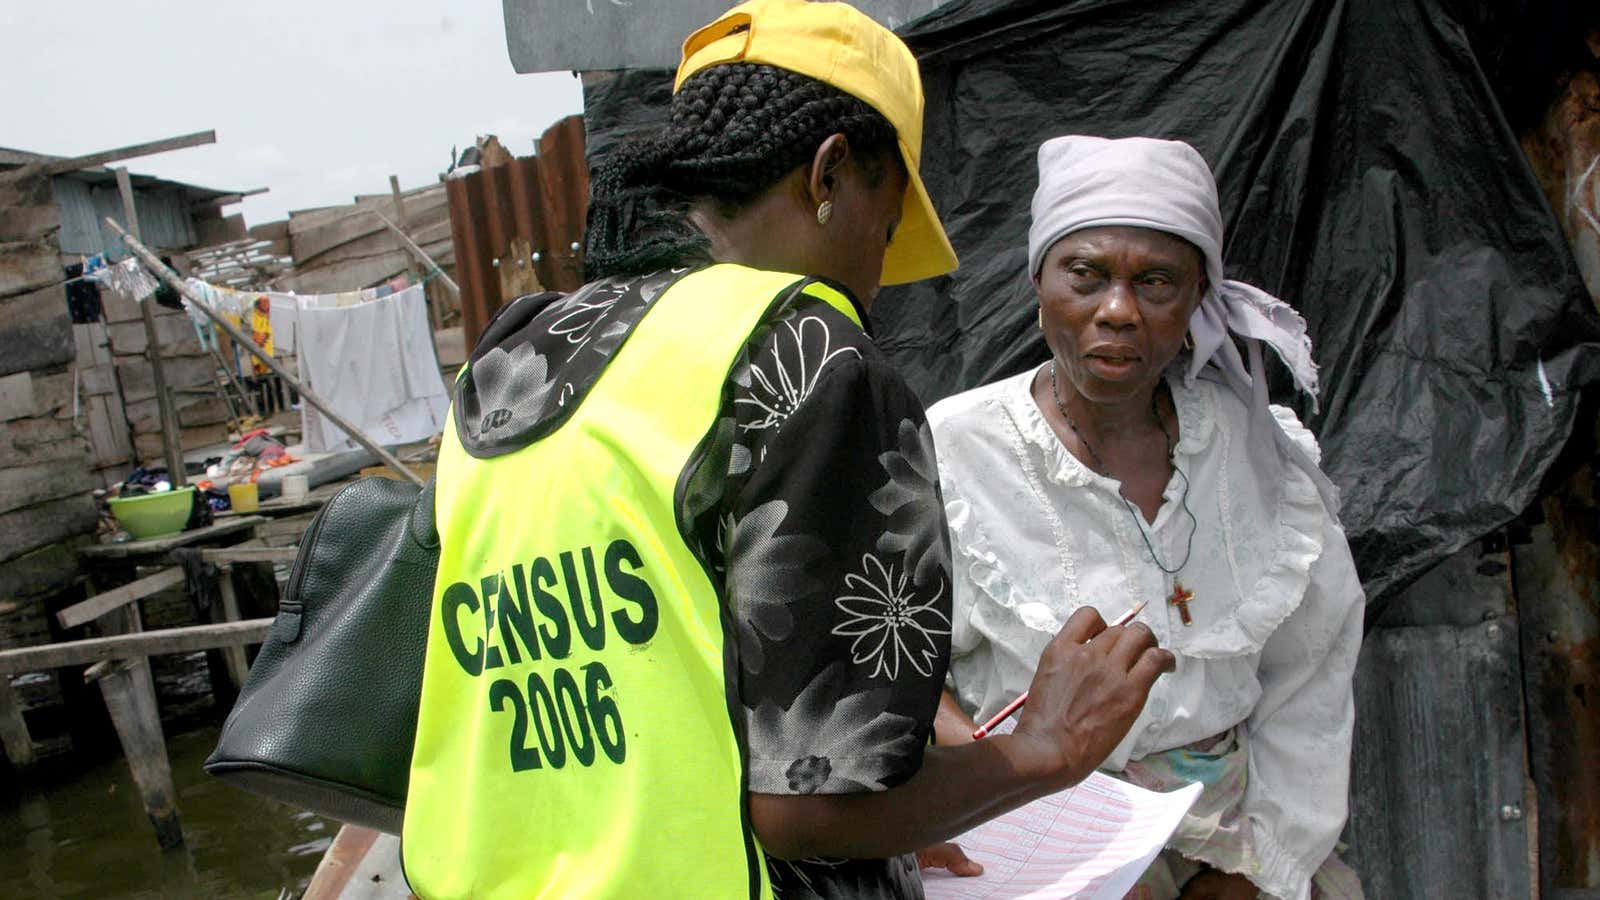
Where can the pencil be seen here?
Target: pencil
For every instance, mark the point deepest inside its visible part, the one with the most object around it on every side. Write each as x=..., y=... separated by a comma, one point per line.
x=1010, y=708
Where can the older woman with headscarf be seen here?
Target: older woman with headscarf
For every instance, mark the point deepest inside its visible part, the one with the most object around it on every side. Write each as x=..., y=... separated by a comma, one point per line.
x=1143, y=462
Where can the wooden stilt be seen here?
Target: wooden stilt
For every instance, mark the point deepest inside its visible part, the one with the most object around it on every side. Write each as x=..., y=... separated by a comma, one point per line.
x=130, y=694
x=237, y=667
x=13, y=729
x=130, y=697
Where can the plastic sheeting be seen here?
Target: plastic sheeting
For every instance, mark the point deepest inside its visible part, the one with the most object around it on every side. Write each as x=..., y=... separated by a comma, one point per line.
x=1367, y=176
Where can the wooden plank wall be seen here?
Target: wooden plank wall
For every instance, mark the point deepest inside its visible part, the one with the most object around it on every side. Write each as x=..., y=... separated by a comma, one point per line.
x=345, y=248
x=124, y=383
x=46, y=505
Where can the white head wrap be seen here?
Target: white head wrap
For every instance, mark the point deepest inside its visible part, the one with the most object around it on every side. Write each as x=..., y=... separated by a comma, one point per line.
x=1090, y=182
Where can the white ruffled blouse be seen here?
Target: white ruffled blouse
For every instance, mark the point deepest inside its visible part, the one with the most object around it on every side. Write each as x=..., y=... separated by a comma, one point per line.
x=1277, y=608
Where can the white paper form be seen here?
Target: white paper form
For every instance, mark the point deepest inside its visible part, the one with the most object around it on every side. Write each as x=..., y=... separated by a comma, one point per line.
x=1092, y=841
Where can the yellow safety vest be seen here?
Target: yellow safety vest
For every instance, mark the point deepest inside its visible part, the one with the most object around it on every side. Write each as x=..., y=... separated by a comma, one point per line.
x=579, y=733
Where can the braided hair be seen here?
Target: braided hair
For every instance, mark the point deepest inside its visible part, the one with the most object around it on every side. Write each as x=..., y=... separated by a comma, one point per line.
x=735, y=130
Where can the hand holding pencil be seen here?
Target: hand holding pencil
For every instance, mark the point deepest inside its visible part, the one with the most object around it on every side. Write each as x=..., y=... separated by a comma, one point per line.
x=1091, y=683
x=1005, y=713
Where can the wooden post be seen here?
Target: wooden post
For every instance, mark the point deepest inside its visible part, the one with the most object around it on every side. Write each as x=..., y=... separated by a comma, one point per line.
x=13, y=728
x=130, y=694
x=169, y=417
x=130, y=697
x=155, y=265
x=238, y=668
x=411, y=266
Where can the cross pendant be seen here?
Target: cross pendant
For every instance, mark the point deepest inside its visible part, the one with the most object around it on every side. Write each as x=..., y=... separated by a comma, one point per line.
x=1180, y=598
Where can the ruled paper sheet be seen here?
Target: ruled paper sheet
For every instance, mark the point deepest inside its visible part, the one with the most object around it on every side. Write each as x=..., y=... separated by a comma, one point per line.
x=1093, y=841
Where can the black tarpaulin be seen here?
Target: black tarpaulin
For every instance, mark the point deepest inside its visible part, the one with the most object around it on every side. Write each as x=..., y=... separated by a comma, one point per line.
x=1367, y=177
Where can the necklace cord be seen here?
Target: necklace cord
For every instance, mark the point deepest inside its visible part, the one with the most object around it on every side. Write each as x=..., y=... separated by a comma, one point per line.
x=1100, y=464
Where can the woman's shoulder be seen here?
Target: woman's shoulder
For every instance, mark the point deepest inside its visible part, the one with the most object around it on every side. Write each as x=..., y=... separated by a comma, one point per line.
x=975, y=409
x=1215, y=404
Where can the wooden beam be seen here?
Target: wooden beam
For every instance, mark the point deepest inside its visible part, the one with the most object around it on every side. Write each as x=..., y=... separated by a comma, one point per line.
x=100, y=604
x=250, y=554
x=161, y=271
x=126, y=646
x=226, y=199
x=73, y=164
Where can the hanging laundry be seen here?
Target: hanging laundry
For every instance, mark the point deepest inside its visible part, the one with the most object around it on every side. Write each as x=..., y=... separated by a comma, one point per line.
x=165, y=295
x=374, y=363
x=261, y=331
x=83, y=295
x=129, y=278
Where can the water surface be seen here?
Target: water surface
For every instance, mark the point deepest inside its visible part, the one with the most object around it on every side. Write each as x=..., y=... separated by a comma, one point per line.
x=90, y=838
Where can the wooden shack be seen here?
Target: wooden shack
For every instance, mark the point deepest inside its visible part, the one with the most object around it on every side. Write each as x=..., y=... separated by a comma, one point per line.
x=78, y=400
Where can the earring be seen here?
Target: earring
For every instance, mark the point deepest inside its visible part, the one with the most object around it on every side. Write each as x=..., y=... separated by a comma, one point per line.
x=824, y=212
x=1041, y=318
x=1188, y=340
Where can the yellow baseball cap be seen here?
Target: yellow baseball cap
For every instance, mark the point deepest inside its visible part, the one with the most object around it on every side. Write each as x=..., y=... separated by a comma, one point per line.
x=838, y=45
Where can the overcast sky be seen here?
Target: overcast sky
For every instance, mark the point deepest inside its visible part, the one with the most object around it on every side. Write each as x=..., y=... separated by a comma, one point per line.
x=318, y=100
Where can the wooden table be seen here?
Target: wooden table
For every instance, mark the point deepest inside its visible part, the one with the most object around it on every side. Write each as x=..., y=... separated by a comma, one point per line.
x=158, y=547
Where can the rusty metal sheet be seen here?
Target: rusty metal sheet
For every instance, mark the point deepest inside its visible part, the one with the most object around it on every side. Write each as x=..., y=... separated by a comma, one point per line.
x=1558, y=596
x=514, y=226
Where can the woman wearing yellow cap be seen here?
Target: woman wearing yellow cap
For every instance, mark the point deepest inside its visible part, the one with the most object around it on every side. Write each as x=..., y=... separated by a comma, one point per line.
x=692, y=615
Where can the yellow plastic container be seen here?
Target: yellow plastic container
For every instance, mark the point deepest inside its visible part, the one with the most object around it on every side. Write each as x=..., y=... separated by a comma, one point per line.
x=244, y=498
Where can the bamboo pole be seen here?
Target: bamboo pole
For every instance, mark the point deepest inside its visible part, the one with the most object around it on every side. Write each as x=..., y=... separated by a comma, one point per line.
x=171, y=278
x=171, y=441
x=421, y=254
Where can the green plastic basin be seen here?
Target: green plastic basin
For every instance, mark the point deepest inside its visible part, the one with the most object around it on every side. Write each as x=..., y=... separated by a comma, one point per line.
x=154, y=515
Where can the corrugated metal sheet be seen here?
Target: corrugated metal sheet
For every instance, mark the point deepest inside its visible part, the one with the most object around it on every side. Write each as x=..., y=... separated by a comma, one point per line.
x=1439, y=778
x=164, y=217
x=524, y=218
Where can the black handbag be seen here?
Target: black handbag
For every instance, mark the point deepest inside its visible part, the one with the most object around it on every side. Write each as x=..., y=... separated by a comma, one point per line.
x=327, y=717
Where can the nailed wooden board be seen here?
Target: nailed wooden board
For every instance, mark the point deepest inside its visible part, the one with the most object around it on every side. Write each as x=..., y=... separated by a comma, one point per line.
x=36, y=330
x=144, y=416
x=36, y=394
x=310, y=242
x=27, y=209
x=30, y=485
x=100, y=604
x=26, y=346
x=270, y=231
x=28, y=223
x=109, y=442
x=29, y=265
x=16, y=396
x=39, y=573
x=27, y=529
x=349, y=276
x=25, y=441
x=149, y=447
x=93, y=345
x=176, y=334
x=138, y=380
